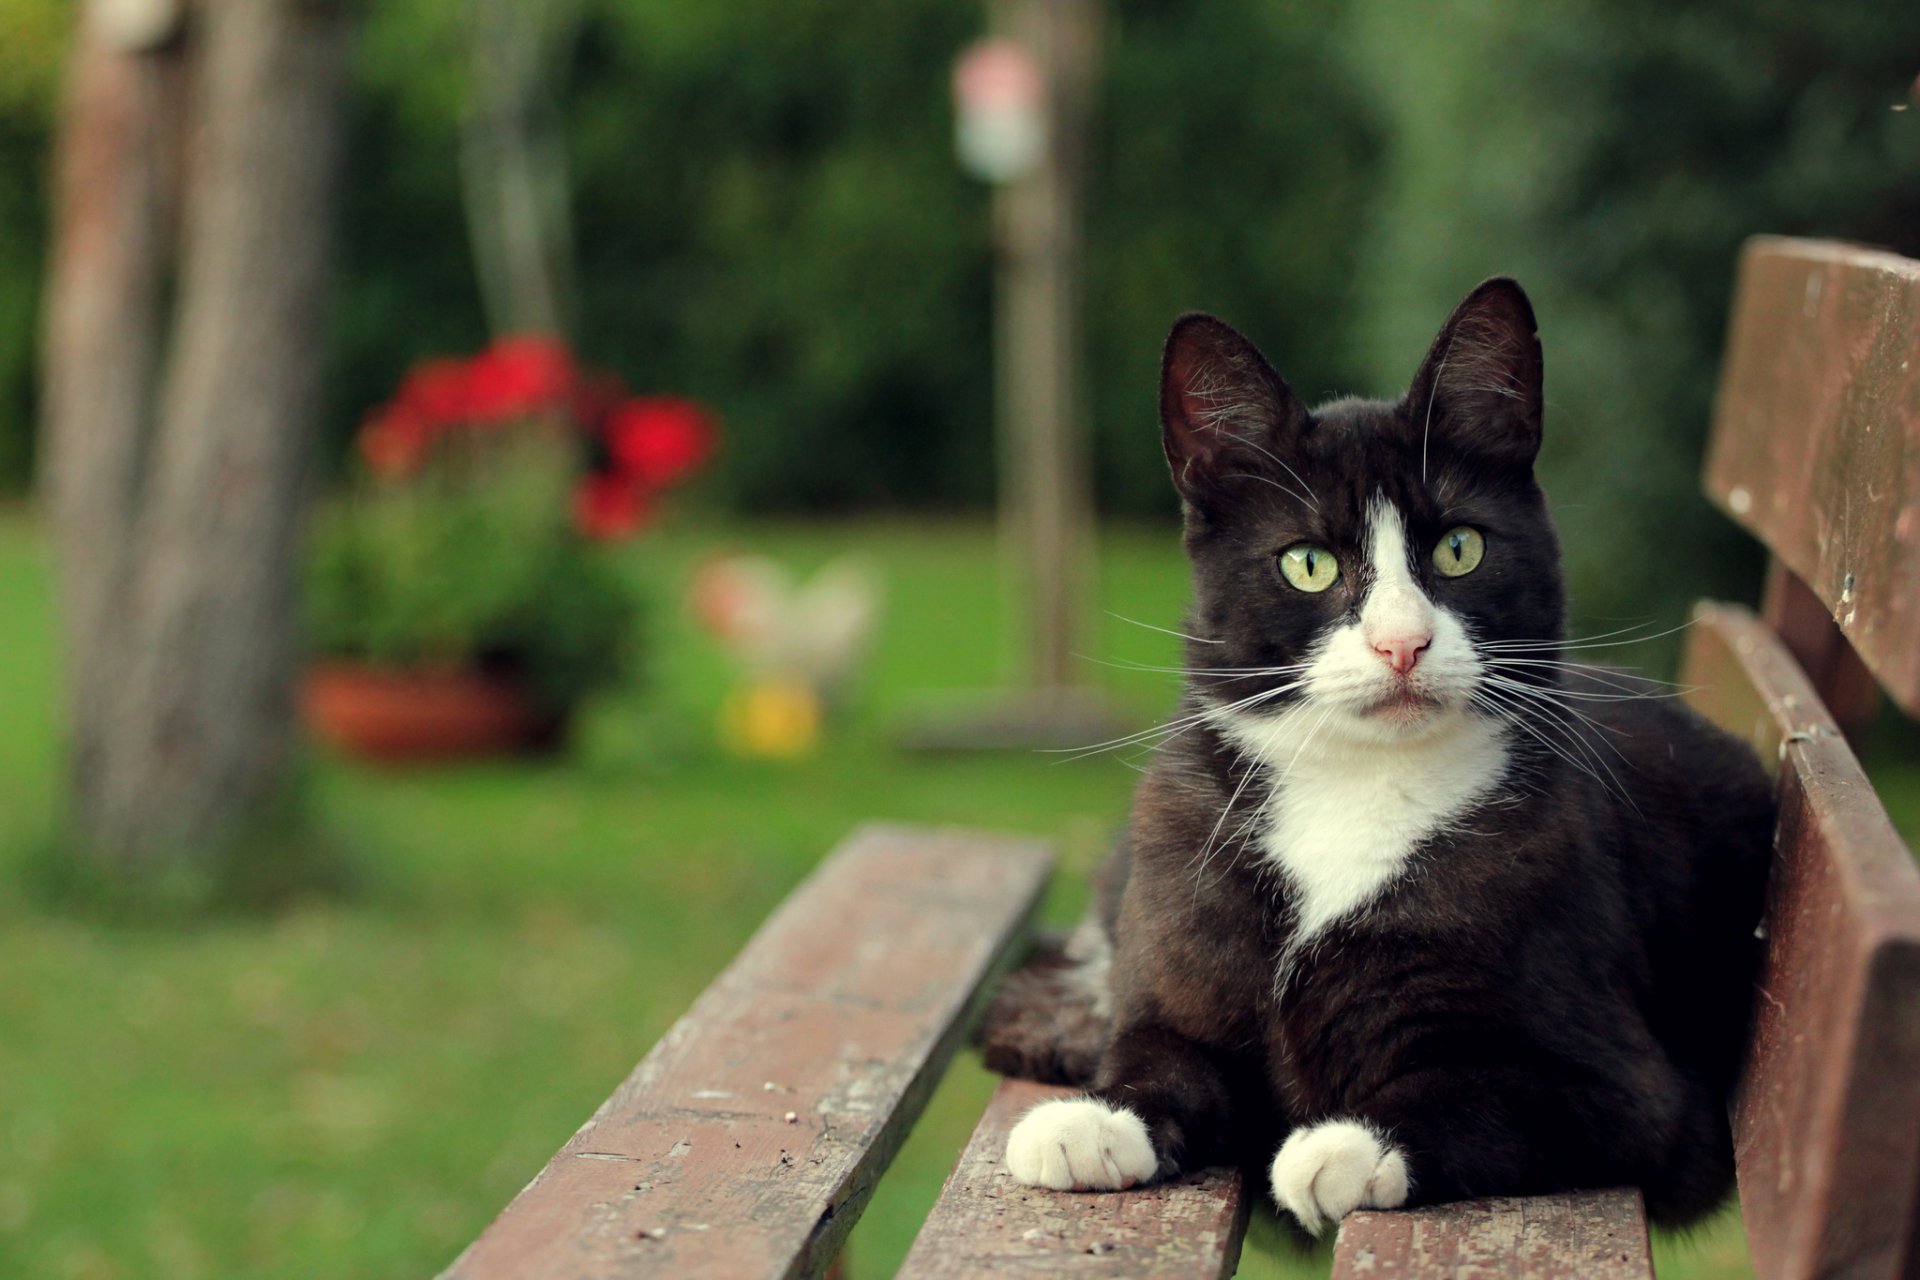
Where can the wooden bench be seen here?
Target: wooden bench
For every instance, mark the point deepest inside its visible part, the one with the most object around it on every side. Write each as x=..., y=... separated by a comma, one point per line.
x=747, y=1142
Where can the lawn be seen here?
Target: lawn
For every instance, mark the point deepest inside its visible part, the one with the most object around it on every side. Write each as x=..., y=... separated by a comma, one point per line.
x=351, y=1085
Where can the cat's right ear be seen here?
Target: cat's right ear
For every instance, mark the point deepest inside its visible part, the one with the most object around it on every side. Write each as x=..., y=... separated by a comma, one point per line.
x=1222, y=406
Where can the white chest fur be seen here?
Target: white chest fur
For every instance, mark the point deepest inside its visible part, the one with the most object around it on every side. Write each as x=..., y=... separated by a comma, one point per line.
x=1342, y=819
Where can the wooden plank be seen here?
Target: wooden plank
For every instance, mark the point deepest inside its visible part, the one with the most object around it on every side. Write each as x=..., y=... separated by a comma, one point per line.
x=1810, y=634
x=1827, y=1121
x=1582, y=1235
x=1816, y=436
x=986, y=1223
x=747, y=1142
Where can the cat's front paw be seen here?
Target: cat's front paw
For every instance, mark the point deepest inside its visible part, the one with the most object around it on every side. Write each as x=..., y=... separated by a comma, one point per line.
x=1080, y=1144
x=1325, y=1172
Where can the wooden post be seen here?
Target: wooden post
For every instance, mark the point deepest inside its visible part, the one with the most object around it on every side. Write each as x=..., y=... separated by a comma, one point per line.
x=1045, y=503
x=1046, y=507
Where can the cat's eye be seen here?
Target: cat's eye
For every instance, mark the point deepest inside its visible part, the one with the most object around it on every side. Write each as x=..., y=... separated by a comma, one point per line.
x=1307, y=567
x=1459, y=552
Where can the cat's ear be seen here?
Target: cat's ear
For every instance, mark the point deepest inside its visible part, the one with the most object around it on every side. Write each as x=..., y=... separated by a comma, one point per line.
x=1480, y=383
x=1222, y=406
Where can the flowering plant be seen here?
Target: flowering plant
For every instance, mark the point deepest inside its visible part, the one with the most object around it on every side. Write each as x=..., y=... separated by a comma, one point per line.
x=633, y=447
x=470, y=539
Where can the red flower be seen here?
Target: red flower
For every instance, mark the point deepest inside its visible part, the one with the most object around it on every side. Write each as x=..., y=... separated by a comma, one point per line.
x=656, y=440
x=516, y=377
x=395, y=442
x=610, y=506
x=438, y=392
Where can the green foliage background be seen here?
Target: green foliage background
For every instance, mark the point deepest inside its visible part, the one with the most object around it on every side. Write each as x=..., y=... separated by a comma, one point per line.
x=768, y=216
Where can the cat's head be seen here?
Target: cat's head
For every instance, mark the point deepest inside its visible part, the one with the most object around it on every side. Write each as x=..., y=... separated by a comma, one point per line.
x=1360, y=562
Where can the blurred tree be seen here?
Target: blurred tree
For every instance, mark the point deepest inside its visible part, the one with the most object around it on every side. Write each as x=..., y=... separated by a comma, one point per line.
x=178, y=405
x=513, y=164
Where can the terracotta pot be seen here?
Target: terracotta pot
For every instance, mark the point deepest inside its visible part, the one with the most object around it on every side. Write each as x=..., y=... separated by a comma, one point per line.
x=398, y=714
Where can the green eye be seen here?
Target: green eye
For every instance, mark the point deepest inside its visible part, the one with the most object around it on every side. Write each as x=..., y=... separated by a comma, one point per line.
x=1459, y=552
x=1307, y=567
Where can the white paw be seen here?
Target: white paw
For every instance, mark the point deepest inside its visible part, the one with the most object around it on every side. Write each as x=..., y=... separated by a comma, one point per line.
x=1325, y=1172
x=1079, y=1144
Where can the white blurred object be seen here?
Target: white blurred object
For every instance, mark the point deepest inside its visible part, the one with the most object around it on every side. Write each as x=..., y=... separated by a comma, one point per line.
x=133, y=26
x=817, y=632
x=1000, y=111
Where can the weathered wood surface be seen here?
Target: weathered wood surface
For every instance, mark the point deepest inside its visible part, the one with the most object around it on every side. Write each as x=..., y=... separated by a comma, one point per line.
x=1816, y=436
x=747, y=1142
x=1827, y=1123
x=986, y=1223
x=1582, y=1235
x=1810, y=634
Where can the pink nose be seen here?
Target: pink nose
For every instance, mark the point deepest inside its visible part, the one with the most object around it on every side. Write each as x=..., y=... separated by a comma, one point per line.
x=1401, y=652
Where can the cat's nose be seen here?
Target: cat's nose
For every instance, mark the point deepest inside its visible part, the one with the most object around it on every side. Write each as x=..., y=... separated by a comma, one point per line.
x=1401, y=652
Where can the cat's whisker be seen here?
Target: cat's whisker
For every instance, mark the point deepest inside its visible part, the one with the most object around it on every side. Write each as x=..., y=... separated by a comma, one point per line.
x=1277, y=461
x=1212, y=846
x=1588, y=746
x=1554, y=698
x=1600, y=675
x=1173, y=728
x=1163, y=732
x=1522, y=719
x=1603, y=640
x=1541, y=642
x=1239, y=673
x=1307, y=742
x=1167, y=631
x=1289, y=491
x=1207, y=848
x=1542, y=713
x=1153, y=668
x=1170, y=729
x=1624, y=693
x=1426, y=429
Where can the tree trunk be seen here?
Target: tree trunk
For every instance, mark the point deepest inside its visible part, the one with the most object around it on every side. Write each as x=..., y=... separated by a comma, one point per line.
x=177, y=534
x=513, y=166
x=101, y=341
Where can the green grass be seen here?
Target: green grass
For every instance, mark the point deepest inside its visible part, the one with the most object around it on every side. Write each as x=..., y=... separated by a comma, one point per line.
x=353, y=1086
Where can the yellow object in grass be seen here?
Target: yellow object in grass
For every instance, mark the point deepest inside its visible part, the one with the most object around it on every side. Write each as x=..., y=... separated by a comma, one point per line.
x=773, y=718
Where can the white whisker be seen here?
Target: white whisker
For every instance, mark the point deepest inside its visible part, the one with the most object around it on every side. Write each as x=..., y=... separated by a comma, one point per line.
x=1277, y=461
x=1173, y=728
x=1165, y=631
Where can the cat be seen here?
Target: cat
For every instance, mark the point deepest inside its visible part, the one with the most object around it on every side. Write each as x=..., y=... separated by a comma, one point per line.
x=1410, y=906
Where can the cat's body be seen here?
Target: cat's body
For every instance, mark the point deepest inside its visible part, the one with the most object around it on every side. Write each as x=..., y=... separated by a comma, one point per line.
x=1410, y=908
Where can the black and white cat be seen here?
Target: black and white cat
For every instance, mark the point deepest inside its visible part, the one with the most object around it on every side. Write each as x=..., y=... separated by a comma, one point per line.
x=1413, y=907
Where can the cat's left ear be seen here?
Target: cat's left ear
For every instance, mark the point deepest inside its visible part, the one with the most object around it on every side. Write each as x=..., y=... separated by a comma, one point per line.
x=1480, y=383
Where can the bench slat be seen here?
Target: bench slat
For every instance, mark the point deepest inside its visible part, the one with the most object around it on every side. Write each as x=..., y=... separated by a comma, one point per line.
x=1816, y=435
x=841, y=1012
x=985, y=1222
x=1829, y=1156
x=1582, y=1235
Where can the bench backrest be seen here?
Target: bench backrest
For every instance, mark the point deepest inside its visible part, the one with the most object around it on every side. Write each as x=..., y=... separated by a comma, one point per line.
x=1816, y=451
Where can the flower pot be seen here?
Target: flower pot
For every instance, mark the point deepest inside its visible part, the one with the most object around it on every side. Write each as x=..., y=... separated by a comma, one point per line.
x=405, y=714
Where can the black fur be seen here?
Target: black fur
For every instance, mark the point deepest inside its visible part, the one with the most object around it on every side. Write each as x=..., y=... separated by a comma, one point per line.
x=1555, y=994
